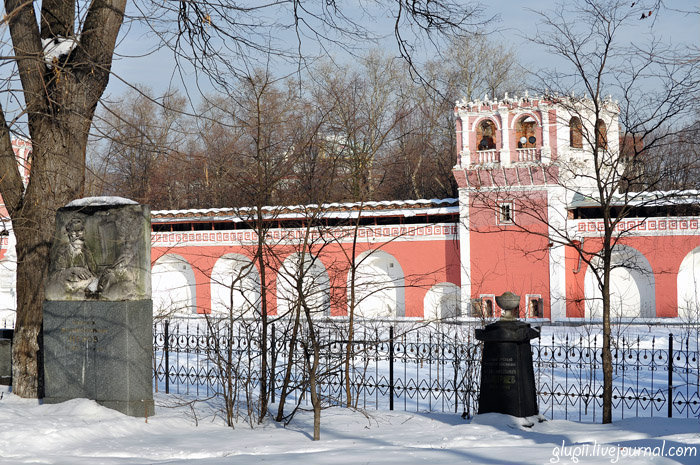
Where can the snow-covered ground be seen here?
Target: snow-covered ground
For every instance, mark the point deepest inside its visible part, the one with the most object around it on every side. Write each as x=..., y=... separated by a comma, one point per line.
x=82, y=432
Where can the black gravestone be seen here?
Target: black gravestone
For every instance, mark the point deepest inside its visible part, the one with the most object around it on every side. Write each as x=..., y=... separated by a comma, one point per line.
x=507, y=376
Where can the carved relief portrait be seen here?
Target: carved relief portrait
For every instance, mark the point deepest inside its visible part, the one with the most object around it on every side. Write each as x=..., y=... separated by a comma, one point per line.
x=100, y=253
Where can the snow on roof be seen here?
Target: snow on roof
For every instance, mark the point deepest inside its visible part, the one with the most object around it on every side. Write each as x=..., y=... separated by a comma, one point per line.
x=404, y=208
x=642, y=199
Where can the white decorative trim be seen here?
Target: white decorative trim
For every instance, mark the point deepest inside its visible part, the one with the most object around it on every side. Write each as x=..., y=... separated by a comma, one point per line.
x=491, y=118
x=556, y=207
x=520, y=114
x=639, y=227
x=464, y=249
x=369, y=234
x=545, y=128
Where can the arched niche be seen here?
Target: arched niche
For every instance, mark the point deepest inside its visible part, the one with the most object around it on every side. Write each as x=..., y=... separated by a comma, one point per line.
x=688, y=287
x=632, y=286
x=486, y=135
x=315, y=286
x=601, y=132
x=235, y=287
x=575, y=132
x=379, y=286
x=526, y=136
x=441, y=302
x=173, y=286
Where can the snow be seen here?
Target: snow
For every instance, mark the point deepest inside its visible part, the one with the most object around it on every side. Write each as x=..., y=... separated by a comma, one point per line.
x=81, y=432
x=55, y=48
x=100, y=201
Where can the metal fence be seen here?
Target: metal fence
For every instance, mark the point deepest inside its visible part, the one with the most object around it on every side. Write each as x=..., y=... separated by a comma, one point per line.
x=437, y=368
x=411, y=369
x=656, y=377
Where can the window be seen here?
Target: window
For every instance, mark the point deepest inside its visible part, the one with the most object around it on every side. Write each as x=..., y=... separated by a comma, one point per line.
x=525, y=134
x=575, y=133
x=601, y=132
x=505, y=213
x=535, y=307
x=488, y=304
x=486, y=135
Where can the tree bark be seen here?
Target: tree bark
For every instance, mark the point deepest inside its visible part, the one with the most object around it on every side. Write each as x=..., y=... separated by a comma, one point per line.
x=60, y=103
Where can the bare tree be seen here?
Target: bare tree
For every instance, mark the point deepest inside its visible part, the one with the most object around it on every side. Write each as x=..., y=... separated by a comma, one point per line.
x=425, y=136
x=362, y=118
x=138, y=135
x=63, y=78
x=655, y=88
x=477, y=65
x=62, y=56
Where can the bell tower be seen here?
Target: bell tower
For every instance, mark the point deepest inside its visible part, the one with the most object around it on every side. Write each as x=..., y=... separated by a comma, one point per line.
x=519, y=163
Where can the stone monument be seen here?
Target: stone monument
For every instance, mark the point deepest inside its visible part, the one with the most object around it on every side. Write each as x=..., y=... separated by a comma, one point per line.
x=98, y=313
x=6, y=356
x=507, y=375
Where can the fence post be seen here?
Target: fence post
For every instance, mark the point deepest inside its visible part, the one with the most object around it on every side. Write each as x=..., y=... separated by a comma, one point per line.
x=273, y=356
x=391, y=367
x=167, y=358
x=670, y=375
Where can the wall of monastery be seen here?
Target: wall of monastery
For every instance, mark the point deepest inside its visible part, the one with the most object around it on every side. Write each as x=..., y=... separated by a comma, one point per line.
x=402, y=270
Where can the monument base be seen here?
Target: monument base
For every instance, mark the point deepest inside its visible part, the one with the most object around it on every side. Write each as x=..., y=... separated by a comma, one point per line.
x=102, y=351
x=507, y=375
x=6, y=357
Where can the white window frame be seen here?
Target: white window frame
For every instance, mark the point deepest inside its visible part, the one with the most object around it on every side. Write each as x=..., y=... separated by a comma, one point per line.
x=540, y=302
x=500, y=211
x=494, y=306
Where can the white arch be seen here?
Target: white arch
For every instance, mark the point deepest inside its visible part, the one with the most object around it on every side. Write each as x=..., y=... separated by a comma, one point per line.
x=688, y=287
x=315, y=285
x=632, y=288
x=173, y=284
x=519, y=116
x=495, y=120
x=235, y=286
x=442, y=301
x=379, y=286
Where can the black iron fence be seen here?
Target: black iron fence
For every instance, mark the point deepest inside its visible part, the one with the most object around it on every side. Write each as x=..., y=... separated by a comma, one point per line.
x=651, y=377
x=433, y=368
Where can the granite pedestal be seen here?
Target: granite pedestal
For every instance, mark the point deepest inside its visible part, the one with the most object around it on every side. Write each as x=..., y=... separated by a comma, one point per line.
x=100, y=350
x=6, y=357
x=507, y=375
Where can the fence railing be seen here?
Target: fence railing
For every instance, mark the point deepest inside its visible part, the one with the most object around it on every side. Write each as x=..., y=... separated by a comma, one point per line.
x=437, y=368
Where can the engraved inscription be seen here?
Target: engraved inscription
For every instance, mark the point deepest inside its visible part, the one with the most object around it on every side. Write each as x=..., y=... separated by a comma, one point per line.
x=500, y=372
x=83, y=334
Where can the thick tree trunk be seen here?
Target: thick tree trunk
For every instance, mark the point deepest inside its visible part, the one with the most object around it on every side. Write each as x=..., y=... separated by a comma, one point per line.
x=60, y=103
x=33, y=244
x=57, y=178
